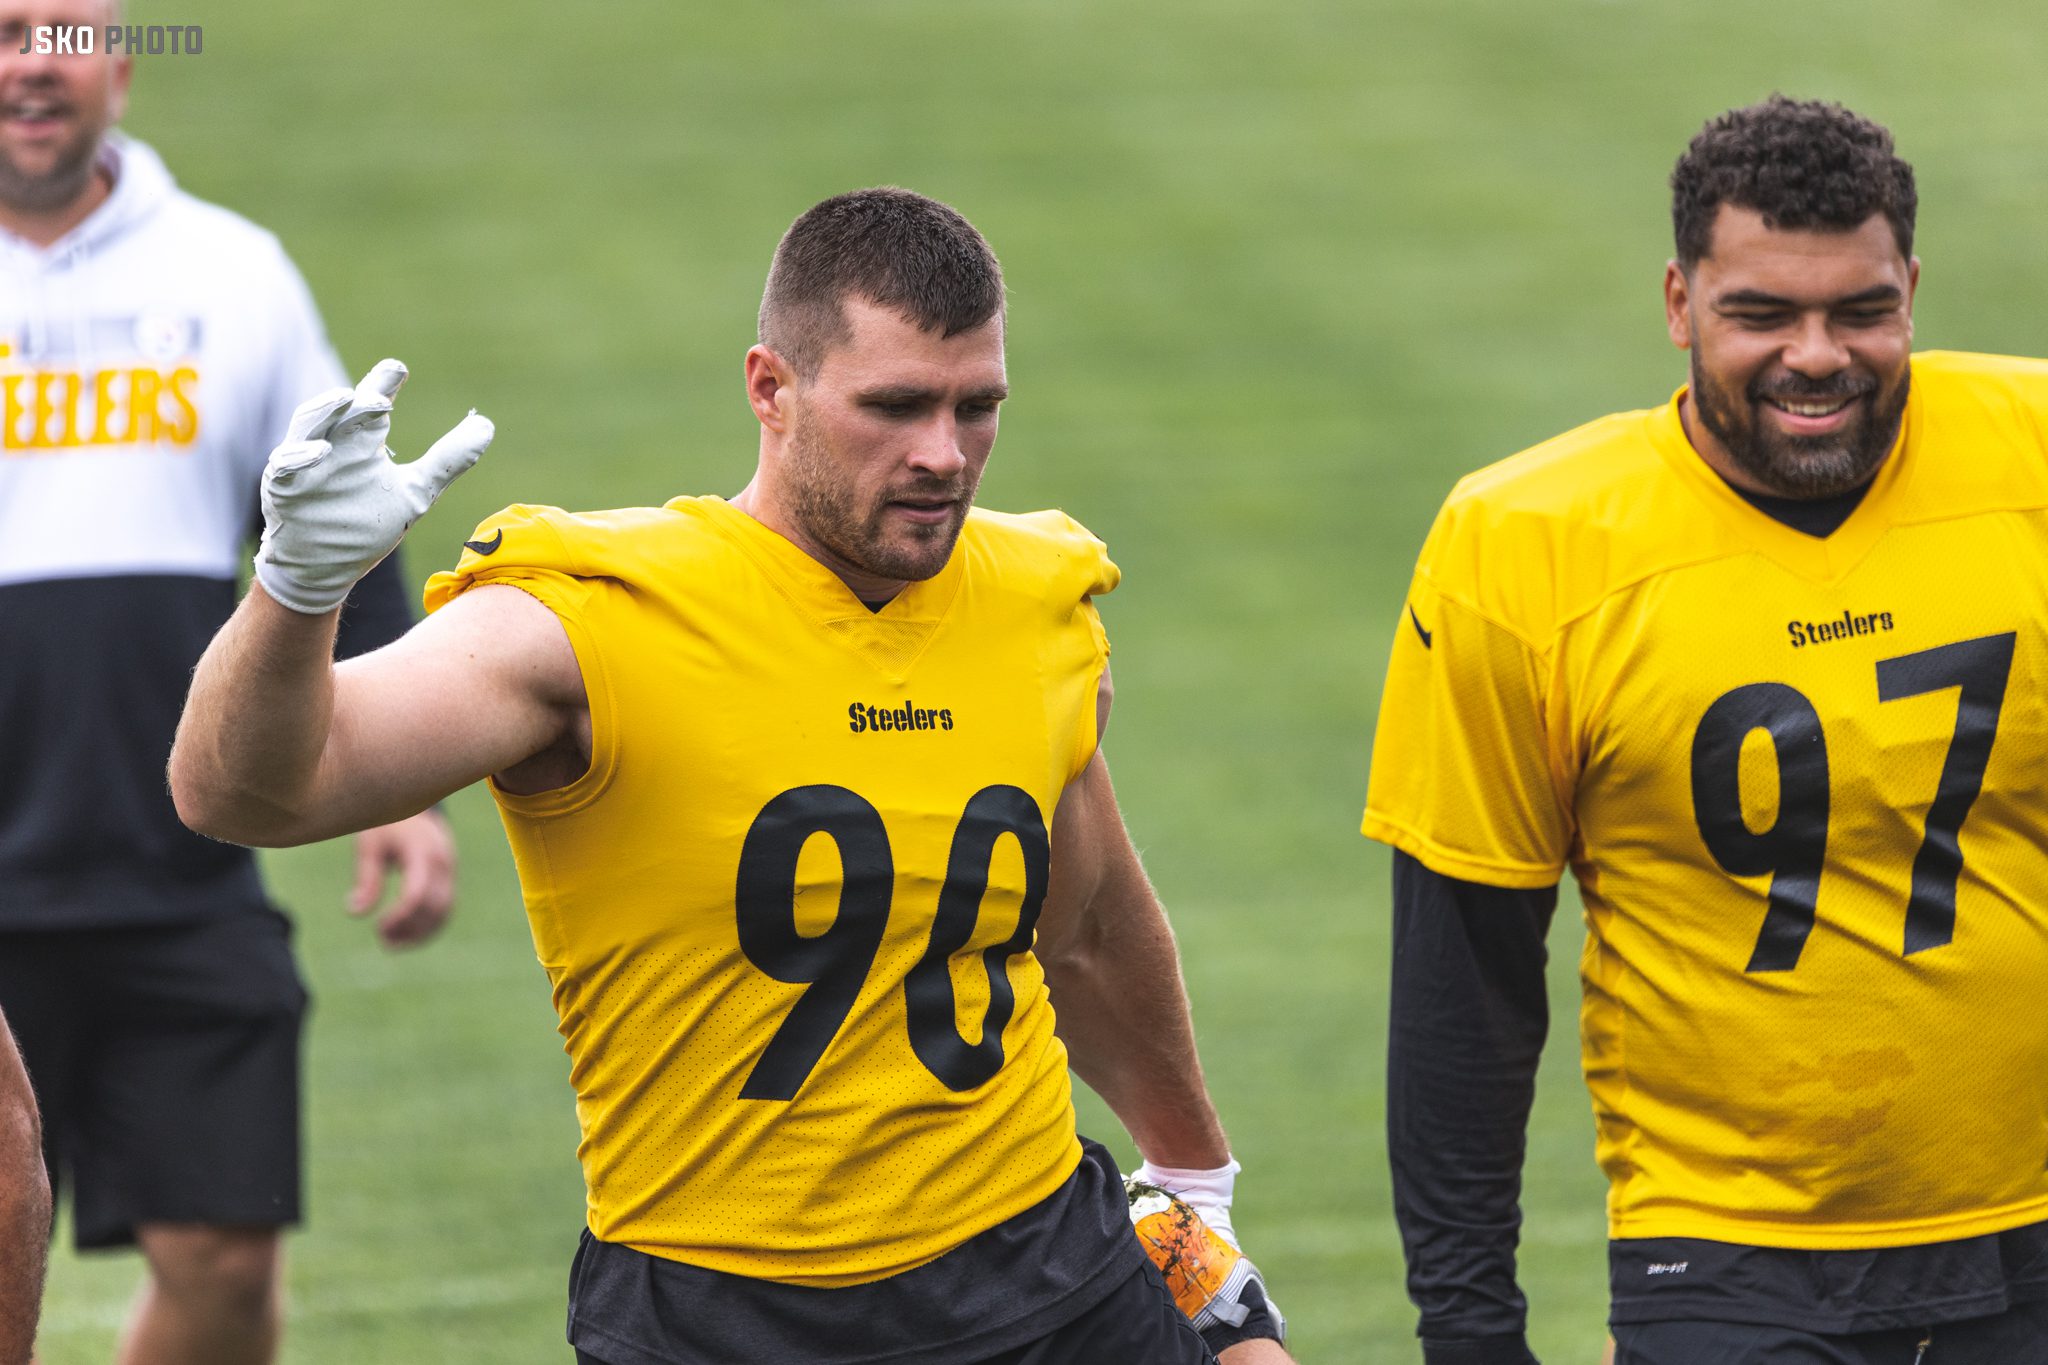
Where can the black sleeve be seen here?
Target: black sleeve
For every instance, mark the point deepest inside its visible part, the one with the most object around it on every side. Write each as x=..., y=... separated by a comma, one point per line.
x=377, y=611
x=1468, y=1018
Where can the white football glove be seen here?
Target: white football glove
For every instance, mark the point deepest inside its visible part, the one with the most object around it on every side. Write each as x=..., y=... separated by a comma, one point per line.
x=334, y=502
x=1207, y=1192
x=1221, y=1296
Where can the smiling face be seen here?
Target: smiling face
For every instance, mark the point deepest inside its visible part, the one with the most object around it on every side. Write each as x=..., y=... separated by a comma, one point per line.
x=871, y=464
x=53, y=108
x=1800, y=346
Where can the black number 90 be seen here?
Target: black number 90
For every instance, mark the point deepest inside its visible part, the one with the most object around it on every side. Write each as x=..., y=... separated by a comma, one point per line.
x=835, y=963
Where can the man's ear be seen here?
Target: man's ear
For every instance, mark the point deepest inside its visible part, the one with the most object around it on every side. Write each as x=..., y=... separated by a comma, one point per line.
x=1678, y=305
x=770, y=384
x=117, y=104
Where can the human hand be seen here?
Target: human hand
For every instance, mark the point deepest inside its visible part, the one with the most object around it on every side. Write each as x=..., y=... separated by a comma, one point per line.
x=1208, y=1192
x=335, y=503
x=421, y=849
x=1182, y=1218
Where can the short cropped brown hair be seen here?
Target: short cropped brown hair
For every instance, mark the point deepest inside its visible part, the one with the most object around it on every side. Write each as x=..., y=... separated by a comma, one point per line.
x=1802, y=164
x=890, y=246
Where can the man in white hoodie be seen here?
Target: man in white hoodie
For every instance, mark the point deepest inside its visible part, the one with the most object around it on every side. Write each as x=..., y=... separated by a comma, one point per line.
x=151, y=349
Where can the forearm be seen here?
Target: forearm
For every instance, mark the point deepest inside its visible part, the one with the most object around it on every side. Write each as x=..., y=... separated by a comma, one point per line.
x=256, y=724
x=24, y=1208
x=1123, y=1014
x=1468, y=1019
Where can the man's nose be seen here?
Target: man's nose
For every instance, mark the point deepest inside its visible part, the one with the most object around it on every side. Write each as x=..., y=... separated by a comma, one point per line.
x=1816, y=351
x=937, y=450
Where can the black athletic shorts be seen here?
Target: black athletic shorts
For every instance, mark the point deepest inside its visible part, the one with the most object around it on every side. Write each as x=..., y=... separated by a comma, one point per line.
x=166, y=1063
x=1138, y=1324
x=1063, y=1283
x=2018, y=1336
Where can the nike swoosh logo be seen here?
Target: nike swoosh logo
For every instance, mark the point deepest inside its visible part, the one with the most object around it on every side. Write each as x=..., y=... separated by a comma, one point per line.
x=1426, y=636
x=484, y=547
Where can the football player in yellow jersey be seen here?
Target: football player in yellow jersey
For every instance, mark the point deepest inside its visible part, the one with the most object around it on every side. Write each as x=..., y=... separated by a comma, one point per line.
x=1764, y=666
x=813, y=828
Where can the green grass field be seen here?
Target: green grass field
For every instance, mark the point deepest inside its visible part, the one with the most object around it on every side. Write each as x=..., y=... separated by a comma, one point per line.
x=1279, y=274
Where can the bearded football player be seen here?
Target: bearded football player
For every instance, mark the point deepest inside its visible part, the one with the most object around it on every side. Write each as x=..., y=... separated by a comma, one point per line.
x=1762, y=666
x=807, y=797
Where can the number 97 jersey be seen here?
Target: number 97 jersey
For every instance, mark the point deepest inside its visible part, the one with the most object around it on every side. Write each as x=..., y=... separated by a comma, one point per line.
x=788, y=911
x=1803, y=785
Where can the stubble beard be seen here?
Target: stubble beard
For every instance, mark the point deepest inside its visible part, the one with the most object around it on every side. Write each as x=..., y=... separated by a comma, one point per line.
x=828, y=509
x=53, y=189
x=1803, y=466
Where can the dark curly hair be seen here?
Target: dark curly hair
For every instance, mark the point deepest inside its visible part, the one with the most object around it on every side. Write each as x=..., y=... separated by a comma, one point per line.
x=1802, y=164
x=891, y=246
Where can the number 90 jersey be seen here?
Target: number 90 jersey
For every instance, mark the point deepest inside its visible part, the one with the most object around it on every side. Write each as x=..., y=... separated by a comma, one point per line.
x=787, y=912
x=1803, y=785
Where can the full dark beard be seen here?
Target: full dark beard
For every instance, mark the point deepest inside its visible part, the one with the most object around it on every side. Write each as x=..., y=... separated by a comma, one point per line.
x=830, y=514
x=1802, y=466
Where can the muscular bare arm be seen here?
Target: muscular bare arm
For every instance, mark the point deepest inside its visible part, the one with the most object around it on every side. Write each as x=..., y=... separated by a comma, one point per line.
x=1114, y=975
x=24, y=1208
x=279, y=745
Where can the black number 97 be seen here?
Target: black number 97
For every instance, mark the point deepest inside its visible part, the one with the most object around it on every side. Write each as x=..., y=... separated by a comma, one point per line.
x=1794, y=849
x=835, y=963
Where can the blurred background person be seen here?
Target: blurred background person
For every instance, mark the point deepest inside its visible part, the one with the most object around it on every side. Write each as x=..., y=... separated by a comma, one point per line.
x=151, y=347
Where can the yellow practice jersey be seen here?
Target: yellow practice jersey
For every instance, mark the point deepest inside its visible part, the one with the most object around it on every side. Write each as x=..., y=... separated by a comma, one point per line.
x=788, y=912
x=1803, y=785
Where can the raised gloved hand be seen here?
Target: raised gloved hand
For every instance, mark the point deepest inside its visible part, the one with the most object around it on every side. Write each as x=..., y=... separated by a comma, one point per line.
x=1182, y=1218
x=334, y=501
